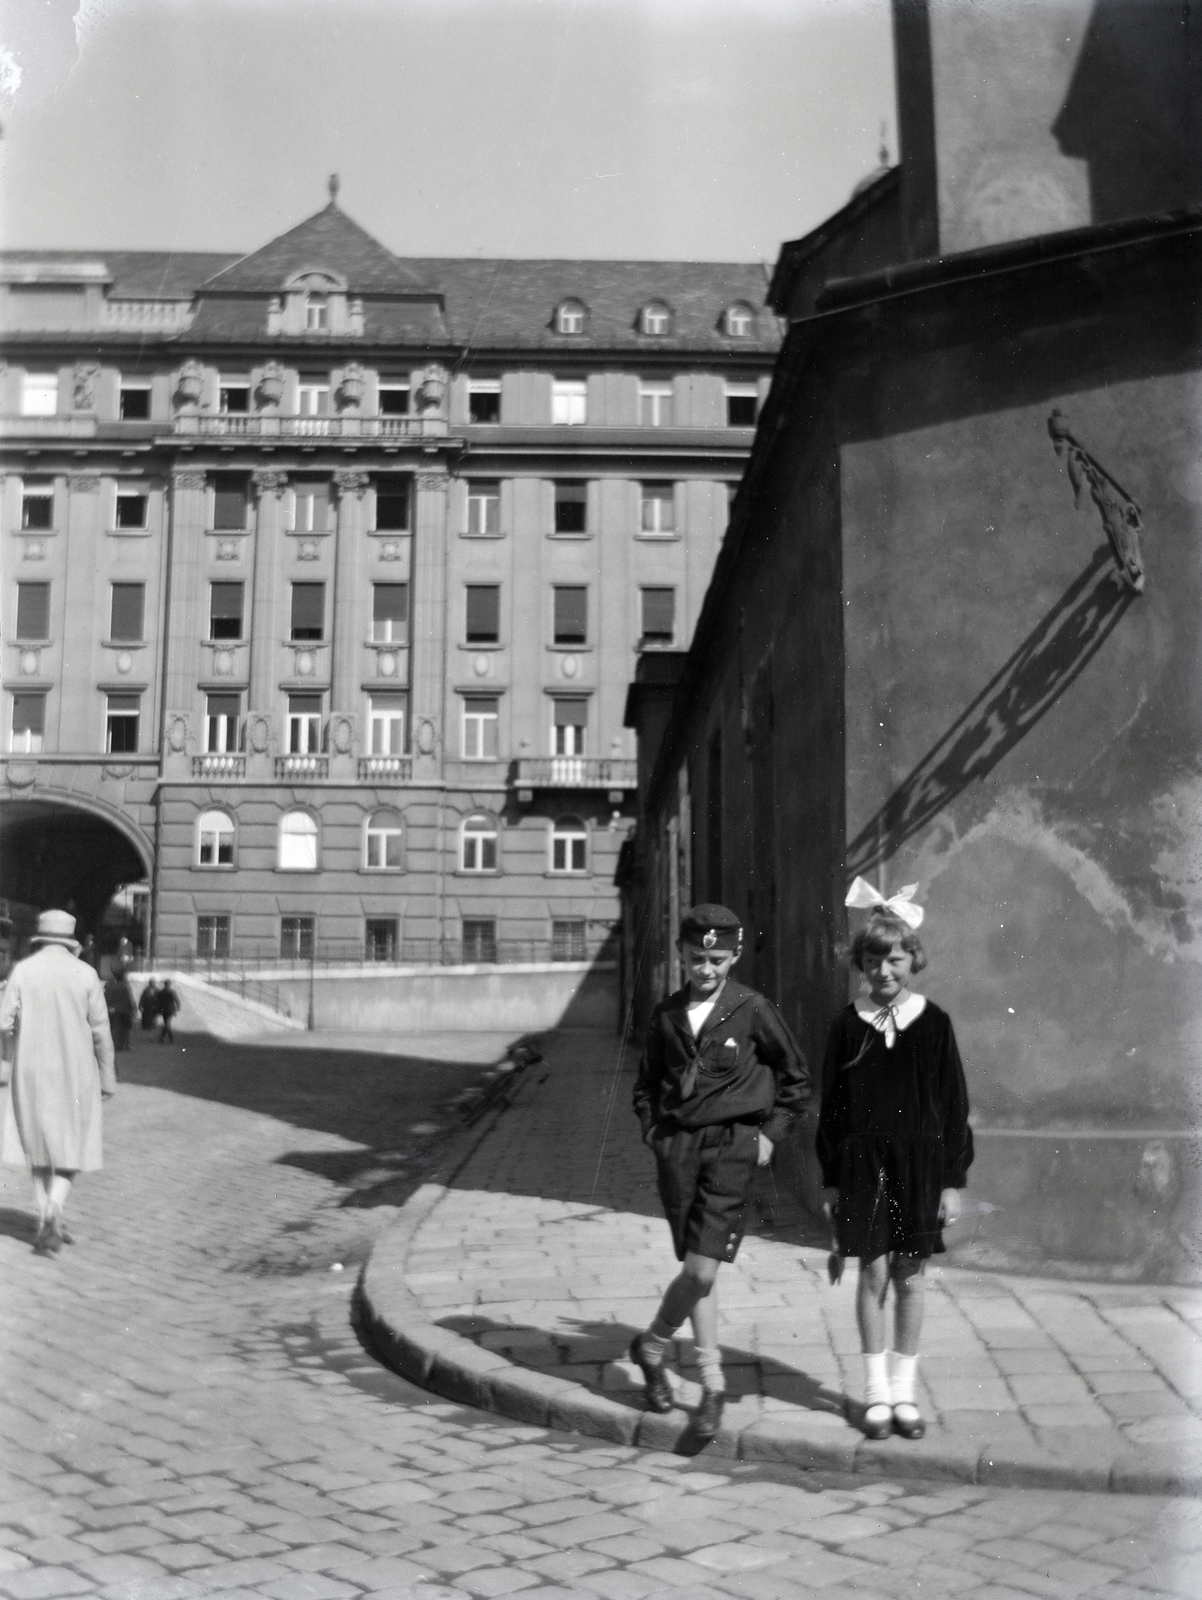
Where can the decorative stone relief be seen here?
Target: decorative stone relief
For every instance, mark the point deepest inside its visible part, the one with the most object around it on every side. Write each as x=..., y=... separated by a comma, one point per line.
x=35, y=550
x=125, y=662
x=258, y=733
x=347, y=482
x=83, y=482
x=390, y=550
x=270, y=388
x=481, y=665
x=21, y=774
x=188, y=480
x=83, y=393
x=177, y=733
x=350, y=389
x=265, y=482
x=119, y=771
x=191, y=384
x=307, y=550
x=386, y=665
x=342, y=733
x=430, y=390
x=436, y=481
x=229, y=549
x=426, y=737
x=1121, y=517
x=569, y=666
x=30, y=662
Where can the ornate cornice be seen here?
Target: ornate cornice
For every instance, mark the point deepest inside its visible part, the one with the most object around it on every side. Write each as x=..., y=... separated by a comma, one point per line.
x=188, y=480
x=265, y=482
x=83, y=482
x=348, y=482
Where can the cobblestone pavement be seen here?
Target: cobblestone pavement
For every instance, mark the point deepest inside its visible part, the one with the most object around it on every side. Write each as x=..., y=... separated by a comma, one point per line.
x=186, y=1411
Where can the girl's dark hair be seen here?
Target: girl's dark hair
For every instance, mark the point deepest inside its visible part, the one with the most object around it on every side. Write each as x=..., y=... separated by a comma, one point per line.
x=878, y=936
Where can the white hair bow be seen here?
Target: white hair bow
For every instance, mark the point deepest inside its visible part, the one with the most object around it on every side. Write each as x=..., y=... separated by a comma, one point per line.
x=864, y=897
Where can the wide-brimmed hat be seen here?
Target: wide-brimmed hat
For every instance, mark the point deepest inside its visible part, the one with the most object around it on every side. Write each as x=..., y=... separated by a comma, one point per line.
x=56, y=927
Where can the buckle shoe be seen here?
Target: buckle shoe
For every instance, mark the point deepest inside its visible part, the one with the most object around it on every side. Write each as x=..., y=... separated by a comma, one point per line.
x=657, y=1391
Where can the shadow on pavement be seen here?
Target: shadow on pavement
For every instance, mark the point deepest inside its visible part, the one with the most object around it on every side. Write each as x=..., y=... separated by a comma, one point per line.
x=18, y=1224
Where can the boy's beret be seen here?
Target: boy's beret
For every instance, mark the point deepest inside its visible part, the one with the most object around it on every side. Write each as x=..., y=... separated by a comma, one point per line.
x=712, y=927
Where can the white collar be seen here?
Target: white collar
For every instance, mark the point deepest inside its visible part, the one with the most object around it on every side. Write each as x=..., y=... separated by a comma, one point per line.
x=891, y=1020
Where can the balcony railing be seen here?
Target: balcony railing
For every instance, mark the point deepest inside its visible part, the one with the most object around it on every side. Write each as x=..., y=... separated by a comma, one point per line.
x=270, y=426
x=575, y=772
x=148, y=314
x=302, y=766
x=385, y=769
x=219, y=766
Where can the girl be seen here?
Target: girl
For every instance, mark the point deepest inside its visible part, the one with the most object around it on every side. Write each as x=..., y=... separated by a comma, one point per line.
x=894, y=1145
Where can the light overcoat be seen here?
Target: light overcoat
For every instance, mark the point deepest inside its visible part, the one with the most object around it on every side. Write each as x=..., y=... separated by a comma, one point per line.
x=64, y=1060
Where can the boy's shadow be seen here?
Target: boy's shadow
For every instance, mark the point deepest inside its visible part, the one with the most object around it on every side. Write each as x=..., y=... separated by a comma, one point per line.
x=581, y=1351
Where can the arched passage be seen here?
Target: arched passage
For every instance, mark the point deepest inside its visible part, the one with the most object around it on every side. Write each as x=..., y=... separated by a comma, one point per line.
x=53, y=853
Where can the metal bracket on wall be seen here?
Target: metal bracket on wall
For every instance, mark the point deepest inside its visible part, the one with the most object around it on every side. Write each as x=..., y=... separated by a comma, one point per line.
x=1121, y=517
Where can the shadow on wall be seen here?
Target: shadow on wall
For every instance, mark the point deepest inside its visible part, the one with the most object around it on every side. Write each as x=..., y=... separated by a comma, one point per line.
x=1049, y=659
x=1134, y=108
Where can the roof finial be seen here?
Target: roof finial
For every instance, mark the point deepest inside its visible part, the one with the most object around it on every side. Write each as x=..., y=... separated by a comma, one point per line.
x=334, y=187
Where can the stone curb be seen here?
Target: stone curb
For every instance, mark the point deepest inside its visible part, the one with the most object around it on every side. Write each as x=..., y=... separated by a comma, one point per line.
x=405, y=1339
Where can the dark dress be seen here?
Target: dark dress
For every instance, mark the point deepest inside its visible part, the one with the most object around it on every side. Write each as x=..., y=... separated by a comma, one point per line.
x=893, y=1131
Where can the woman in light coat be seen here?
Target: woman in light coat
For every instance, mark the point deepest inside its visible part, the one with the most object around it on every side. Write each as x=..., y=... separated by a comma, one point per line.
x=63, y=1069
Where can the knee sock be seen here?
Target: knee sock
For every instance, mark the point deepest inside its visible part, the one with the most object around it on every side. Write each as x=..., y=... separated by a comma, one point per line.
x=902, y=1376
x=655, y=1340
x=876, y=1379
x=710, y=1363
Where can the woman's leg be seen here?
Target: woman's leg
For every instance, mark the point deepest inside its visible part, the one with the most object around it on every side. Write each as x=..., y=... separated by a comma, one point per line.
x=41, y=1192
x=60, y=1189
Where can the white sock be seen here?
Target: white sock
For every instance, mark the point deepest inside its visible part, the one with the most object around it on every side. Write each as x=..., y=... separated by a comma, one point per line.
x=902, y=1378
x=653, y=1345
x=710, y=1363
x=876, y=1379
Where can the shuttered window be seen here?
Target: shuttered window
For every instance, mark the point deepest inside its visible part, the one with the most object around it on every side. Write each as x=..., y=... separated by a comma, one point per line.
x=33, y=611
x=571, y=613
x=128, y=611
x=483, y=613
x=308, y=610
x=659, y=615
x=229, y=500
x=225, y=611
x=392, y=504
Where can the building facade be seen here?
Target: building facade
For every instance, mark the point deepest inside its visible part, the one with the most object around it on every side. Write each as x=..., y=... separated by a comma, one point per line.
x=325, y=573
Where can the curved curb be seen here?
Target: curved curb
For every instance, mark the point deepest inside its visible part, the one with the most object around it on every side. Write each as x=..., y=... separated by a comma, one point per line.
x=405, y=1339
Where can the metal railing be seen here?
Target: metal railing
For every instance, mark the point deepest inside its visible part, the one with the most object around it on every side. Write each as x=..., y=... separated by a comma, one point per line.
x=575, y=772
x=264, y=965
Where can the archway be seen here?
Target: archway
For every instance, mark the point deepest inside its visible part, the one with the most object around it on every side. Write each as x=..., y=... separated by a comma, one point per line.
x=54, y=853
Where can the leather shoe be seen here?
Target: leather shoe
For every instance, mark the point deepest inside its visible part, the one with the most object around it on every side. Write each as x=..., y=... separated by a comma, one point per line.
x=909, y=1426
x=656, y=1389
x=50, y=1236
x=708, y=1418
x=878, y=1421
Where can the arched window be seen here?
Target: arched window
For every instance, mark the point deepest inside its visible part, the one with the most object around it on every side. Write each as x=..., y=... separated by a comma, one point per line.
x=655, y=318
x=478, y=845
x=214, y=839
x=569, y=317
x=569, y=845
x=298, y=842
x=738, y=320
x=385, y=842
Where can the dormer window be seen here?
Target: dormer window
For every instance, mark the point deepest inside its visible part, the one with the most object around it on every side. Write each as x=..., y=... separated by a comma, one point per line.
x=569, y=317
x=738, y=321
x=317, y=313
x=655, y=319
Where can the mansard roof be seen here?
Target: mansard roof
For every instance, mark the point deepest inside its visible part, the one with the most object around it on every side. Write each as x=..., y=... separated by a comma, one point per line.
x=329, y=240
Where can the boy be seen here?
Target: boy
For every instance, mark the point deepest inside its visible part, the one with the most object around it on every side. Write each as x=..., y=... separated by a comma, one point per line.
x=720, y=1084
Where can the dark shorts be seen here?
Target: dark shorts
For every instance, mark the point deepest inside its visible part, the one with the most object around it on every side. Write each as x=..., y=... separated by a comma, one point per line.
x=705, y=1177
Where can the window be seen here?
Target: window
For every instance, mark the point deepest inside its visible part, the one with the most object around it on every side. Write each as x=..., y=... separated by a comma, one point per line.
x=569, y=317
x=215, y=840
x=313, y=397
x=380, y=938
x=569, y=401
x=484, y=400
x=385, y=840
x=296, y=938
x=738, y=321
x=480, y=719
x=655, y=319
x=390, y=613
x=483, y=613
x=308, y=611
x=569, y=718
x=483, y=507
x=658, y=513
x=394, y=398
x=317, y=313
x=567, y=939
x=127, y=612
x=479, y=939
x=386, y=717
x=37, y=506
x=121, y=725
x=33, y=611
x=311, y=507
x=298, y=842
x=392, y=504
x=131, y=508
x=29, y=723
x=571, y=613
x=655, y=405
x=569, y=845
x=229, y=501
x=234, y=396
x=213, y=936
x=742, y=402
x=39, y=394
x=571, y=507
x=222, y=715
x=478, y=848
x=133, y=402
x=304, y=724
x=659, y=616
x=225, y=610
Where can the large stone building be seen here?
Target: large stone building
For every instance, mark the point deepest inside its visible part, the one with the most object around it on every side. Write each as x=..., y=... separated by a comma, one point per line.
x=325, y=572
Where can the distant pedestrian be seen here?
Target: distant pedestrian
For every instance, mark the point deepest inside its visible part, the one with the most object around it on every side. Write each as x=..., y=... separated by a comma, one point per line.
x=148, y=1005
x=720, y=1084
x=119, y=998
x=62, y=1071
x=894, y=1145
x=167, y=1004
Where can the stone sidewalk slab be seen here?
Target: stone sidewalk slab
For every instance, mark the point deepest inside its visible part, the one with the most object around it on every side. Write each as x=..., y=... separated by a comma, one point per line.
x=515, y=1280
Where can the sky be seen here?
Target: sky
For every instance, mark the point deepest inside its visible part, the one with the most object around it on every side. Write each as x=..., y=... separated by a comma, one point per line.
x=659, y=129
